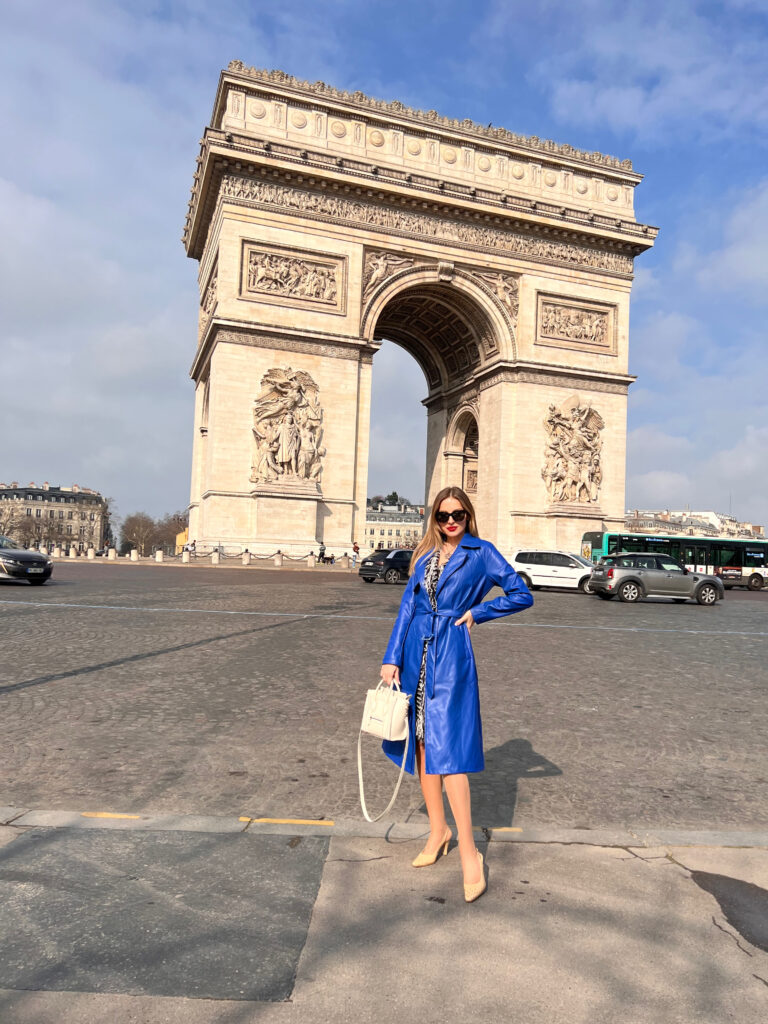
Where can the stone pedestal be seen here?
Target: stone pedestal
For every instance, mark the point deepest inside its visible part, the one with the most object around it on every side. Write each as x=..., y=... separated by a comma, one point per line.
x=215, y=558
x=184, y=557
x=311, y=561
x=112, y=554
x=57, y=552
x=158, y=556
x=90, y=554
x=73, y=552
x=246, y=560
x=278, y=560
x=344, y=561
x=134, y=555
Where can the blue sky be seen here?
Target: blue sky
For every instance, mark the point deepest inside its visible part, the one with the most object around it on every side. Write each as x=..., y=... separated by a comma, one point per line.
x=103, y=103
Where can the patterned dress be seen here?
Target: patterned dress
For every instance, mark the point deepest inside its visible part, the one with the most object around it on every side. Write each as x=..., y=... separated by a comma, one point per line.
x=431, y=577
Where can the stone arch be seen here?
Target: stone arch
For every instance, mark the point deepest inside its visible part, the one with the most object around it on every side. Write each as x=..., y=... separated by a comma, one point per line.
x=462, y=445
x=448, y=319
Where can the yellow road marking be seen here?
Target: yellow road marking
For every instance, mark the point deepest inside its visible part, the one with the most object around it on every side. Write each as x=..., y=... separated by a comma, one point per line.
x=289, y=821
x=506, y=830
x=107, y=814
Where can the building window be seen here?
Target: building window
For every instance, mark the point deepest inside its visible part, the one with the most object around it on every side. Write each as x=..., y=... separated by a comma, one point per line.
x=51, y=514
x=69, y=529
x=381, y=533
x=93, y=516
x=38, y=512
x=69, y=514
x=397, y=533
x=61, y=513
x=82, y=531
x=29, y=511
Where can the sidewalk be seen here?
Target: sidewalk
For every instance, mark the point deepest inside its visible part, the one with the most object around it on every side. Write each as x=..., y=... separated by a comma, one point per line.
x=327, y=922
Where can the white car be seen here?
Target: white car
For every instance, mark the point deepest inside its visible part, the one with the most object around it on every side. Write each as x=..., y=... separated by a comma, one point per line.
x=553, y=569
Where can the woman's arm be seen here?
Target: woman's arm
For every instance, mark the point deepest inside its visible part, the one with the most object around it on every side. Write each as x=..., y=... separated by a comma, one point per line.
x=516, y=597
x=394, y=652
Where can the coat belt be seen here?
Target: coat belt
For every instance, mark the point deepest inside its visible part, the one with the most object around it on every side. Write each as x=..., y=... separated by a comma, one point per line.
x=441, y=613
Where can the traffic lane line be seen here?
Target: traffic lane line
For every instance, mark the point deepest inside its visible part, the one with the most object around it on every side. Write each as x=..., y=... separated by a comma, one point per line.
x=302, y=616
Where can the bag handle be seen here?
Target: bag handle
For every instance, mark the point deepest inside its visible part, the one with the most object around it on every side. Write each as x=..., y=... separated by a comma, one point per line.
x=360, y=776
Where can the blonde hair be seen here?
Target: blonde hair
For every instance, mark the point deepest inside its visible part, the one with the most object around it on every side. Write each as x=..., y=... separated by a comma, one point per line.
x=433, y=535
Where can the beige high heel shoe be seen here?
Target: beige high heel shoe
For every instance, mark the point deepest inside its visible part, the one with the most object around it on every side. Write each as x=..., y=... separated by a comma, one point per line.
x=476, y=889
x=425, y=859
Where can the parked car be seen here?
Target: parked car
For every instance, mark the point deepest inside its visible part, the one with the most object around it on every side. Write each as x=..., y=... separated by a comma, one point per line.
x=390, y=565
x=645, y=574
x=553, y=569
x=19, y=564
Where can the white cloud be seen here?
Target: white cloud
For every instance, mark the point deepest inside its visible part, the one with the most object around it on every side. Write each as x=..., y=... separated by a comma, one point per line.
x=741, y=265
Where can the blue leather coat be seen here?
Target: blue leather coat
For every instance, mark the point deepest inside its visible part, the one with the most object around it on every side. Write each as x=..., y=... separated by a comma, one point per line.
x=453, y=741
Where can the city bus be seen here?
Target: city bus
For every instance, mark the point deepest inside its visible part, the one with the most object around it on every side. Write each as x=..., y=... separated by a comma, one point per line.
x=739, y=563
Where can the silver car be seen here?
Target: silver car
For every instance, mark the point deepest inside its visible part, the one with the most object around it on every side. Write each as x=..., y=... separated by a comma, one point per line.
x=645, y=574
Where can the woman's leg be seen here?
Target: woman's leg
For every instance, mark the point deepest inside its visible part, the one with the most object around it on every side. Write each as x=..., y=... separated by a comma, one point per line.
x=432, y=791
x=457, y=788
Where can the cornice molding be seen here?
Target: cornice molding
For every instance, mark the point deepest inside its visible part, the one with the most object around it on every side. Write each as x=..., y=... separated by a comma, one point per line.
x=426, y=118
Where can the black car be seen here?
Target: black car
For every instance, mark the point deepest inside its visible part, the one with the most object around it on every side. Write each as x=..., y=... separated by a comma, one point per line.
x=386, y=564
x=23, y=565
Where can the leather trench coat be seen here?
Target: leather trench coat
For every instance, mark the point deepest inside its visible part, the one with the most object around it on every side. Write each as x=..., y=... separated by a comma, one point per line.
x=453, y=741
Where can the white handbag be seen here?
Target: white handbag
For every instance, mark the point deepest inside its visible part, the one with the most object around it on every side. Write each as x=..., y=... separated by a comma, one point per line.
x=385, y=715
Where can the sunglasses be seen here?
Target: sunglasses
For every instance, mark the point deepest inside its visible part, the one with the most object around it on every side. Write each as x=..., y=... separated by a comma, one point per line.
x=458, y=516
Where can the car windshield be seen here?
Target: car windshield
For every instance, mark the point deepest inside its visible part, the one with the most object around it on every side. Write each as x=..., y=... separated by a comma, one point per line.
x=583, y=561
x=6, y=542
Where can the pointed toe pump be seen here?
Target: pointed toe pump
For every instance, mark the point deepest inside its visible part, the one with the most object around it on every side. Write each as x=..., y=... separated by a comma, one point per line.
x=476, y=889
x=425, y=859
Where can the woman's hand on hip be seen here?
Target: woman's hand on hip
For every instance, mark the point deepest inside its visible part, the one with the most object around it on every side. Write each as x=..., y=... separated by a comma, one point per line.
x=465, y=620
x=390, y=674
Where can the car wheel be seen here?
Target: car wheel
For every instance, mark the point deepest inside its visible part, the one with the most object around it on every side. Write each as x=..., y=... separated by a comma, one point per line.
x=585, y=585
x=391, y=576
x=706, y=594
x=629, y=592
x=36, y=583
x=525, y=580
x=605, y=597
x=755, y=582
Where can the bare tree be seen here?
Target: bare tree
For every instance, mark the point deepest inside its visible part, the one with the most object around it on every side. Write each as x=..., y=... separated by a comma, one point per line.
x=139, y=530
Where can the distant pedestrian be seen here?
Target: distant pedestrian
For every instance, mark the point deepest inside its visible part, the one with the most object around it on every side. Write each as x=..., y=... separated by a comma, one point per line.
x=321, y=553
x=355, y=553
x=451, y=571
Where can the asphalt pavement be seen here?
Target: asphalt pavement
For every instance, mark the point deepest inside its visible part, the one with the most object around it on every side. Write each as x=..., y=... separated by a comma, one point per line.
x=180, y=834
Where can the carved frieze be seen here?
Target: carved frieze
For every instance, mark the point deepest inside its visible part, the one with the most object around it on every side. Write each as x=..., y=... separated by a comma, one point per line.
x=571, y=323
x=379, y=266
x=356, y=212
x=572, y=471
x=293, y=277
x=287, y=430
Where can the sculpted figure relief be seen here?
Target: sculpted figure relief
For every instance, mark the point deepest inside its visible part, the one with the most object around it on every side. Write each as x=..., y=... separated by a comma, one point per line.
x=574, y=324
x=379, y=266
x=287, y=428
x=572, y=471
x=288, y=275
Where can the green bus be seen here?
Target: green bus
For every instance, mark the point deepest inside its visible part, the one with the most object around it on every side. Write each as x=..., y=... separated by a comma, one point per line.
x=739, y=563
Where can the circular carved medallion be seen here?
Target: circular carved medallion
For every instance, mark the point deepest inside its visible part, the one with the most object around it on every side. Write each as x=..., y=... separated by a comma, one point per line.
x=550, y=178
x=581, y=186
x=613, y=194
x=376, y=138
x=338, y=129
x=414, y=147
x=518, y=171
x=449, y=155
x=299, y=120
x=484, y=163
x=257, y=109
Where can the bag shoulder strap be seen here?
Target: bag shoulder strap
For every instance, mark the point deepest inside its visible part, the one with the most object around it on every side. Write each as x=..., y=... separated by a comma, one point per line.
x=360, y=777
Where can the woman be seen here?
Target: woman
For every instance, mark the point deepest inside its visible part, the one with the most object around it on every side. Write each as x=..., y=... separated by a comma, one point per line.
x=430, y=654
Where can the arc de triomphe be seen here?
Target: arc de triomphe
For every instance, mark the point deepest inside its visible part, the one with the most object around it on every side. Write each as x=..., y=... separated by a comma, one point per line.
x=324, y=222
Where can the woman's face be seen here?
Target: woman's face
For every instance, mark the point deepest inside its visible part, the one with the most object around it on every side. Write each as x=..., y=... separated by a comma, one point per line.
x=451, y=528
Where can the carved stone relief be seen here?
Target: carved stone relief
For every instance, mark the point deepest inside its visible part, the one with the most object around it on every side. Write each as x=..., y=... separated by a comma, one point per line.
x=296, y=278
x=287, y=429
x=505, y=288
x=379, y=266
x=356, y=212
x=572, y=471
x=208, y=301
x=575, y=324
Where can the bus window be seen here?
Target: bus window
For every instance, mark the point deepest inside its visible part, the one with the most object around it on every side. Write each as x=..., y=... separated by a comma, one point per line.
x=756, y=557
x=726, y=554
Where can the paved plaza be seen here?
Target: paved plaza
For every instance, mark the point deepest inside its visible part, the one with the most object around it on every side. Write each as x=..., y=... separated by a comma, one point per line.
x=214, y=711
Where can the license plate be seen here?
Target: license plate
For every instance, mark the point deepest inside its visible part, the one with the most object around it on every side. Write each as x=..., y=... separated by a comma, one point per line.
x=35, y=570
